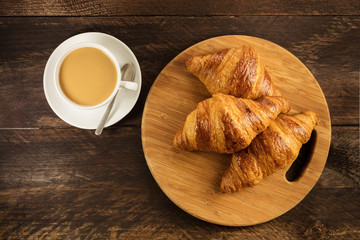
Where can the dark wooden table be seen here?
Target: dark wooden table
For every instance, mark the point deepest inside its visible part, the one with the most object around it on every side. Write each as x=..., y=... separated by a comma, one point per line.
x=60, y=182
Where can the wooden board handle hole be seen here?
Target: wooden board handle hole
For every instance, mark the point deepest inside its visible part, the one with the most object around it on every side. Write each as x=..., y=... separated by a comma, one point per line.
x=300, y=163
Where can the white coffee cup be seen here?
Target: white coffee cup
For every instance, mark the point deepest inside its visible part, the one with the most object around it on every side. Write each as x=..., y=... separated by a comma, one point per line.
x=119, y=83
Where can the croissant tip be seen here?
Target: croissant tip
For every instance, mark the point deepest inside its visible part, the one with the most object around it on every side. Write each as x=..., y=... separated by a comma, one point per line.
x=227, y=184
x=287, y=105
x=277, y=93
x=177, y=139
x=224, y=188
x=313, y=115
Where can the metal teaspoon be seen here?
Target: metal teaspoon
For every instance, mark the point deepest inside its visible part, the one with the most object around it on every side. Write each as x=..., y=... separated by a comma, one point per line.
x=127, y=74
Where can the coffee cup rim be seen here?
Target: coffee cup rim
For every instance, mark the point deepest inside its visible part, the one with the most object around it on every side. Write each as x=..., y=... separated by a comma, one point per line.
x=78, y=46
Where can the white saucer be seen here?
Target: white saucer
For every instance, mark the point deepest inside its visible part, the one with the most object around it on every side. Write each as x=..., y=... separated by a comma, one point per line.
x=89, y=119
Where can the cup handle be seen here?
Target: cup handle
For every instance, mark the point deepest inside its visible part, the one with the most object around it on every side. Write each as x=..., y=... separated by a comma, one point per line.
x=129, y=85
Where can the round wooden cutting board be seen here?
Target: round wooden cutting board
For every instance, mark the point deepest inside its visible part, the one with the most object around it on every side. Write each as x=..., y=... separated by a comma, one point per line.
x=192, y=179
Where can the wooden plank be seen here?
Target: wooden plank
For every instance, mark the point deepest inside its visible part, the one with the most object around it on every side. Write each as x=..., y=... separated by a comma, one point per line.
x=344, y=158
x=180, y=7
x=30, y=157
x=68, y=183
x=328, y=49
x=105, y=215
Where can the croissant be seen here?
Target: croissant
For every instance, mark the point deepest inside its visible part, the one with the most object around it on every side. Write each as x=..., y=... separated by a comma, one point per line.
x=235, y=71
x=225, y=124
x=275, y=148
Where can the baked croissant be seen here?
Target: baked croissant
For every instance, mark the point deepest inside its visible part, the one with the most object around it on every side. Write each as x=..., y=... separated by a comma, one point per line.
x=225, y=124
x=235, y=71
x=275, y=148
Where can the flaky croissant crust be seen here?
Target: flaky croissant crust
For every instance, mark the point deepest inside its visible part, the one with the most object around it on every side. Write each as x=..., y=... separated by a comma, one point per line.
x=225, y=124
x=235, y=71
x=275, y=148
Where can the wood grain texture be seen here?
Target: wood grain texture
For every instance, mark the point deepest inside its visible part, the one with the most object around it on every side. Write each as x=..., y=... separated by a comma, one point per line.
x=326, y=45
x=68, y=184
x=179, y=7
x=176, y=92
x=58, y=182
